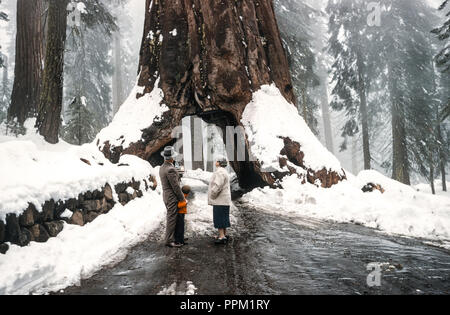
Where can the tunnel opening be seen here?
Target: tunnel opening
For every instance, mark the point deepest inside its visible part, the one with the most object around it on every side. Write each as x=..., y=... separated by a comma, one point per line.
x=239, y=161
x=235, y=143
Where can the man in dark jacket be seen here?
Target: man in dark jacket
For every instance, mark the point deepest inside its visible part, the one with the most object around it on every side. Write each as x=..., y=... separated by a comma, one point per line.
x=172, y=193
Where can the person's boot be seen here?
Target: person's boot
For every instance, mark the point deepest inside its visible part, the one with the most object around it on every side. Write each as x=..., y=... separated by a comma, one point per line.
x=174, y=245
x=221, y=241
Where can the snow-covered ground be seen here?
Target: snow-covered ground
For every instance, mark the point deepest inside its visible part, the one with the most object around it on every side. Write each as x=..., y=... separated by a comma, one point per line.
x=78, y=252
x=425, y=187
x=34, y=171
x=401, y=210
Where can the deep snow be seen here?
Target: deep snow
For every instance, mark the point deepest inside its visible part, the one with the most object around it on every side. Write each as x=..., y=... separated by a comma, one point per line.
x=133, y=116
x=34, y=171
x=270, y=116
x=400, y=210
x=78, y=252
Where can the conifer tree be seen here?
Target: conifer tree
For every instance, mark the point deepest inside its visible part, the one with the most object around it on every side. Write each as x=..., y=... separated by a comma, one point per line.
x=80, y=128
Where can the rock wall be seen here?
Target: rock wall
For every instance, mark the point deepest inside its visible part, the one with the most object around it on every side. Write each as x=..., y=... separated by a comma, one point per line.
x=34, y=226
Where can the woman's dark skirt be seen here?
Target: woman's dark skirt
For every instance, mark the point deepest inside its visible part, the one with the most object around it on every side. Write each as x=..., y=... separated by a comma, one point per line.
x=221, y=217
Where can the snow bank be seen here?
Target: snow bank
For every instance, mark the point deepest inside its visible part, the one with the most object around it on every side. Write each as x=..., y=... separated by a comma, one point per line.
x=78, y=252
x=270, y=116
x=33, y=171
x=400, y=210
x=133, y=116
x=425, y=187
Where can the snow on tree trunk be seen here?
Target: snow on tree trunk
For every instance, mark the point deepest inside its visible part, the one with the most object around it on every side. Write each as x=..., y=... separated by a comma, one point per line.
x=213, y=59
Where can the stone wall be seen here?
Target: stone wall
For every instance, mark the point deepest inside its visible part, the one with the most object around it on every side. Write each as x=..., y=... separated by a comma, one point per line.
x=34, y=226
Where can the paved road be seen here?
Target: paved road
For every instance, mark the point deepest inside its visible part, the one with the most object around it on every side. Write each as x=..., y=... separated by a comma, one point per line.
x=277, y=255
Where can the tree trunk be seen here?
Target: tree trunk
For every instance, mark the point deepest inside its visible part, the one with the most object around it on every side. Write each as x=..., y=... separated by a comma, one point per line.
x=29, y=60
x=117, y=86
x=444, y=179
x=5, y=77
x=442, y=158
x=197, y=143
x=221, y=53
x=354, y=155
x=433, y=189
x=325, y=105
x=210, y=156
x=400, y=163
x=364, y=115
x=305, y=105
x=50, y=105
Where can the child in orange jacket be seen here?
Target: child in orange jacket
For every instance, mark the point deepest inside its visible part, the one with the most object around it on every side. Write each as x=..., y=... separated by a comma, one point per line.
x=182, y=211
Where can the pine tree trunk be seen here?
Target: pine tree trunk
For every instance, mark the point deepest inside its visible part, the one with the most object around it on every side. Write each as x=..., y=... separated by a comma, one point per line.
x=197, y=144
x=117, y=88
x=5, y=77
x=222, y=53
x=305, y=105
x=354, y=155
x=364, y=116
x=29, y=60
x=442, y=158
x=444, y=179
x=325, y=105
x=433, y=189
x=400, y=163
x=50, y=105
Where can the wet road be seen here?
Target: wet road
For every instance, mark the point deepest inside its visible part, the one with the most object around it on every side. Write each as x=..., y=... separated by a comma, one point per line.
x=276, y=255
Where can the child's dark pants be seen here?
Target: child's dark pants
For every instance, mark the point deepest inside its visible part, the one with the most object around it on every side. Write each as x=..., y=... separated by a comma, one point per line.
x=179, y=229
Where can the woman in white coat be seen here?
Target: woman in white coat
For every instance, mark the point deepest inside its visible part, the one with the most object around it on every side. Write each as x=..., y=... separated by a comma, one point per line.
x=219, y=196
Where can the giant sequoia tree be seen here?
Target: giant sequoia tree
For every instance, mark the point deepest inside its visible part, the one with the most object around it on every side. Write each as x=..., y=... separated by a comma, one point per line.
x=29, y=60
x=50, y=101
x=208, y=58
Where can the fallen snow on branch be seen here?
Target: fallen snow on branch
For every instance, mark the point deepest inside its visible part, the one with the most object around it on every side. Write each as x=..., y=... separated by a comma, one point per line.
x=34, y=171
x=401, y=210
x=269, y=117
x=133, y=116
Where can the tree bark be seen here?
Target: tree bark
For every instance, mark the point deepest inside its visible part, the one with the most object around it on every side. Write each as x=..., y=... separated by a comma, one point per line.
x=354, y=155
x=364, y=115
x=433, y=189
x=442, y=157
x=29, y=60
x=325, y=105
x=400, y=163
x=5, y=76
x=305, y=105
x=222, y=53
x=50, y=105
x=117, y=86
x=197, y=144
